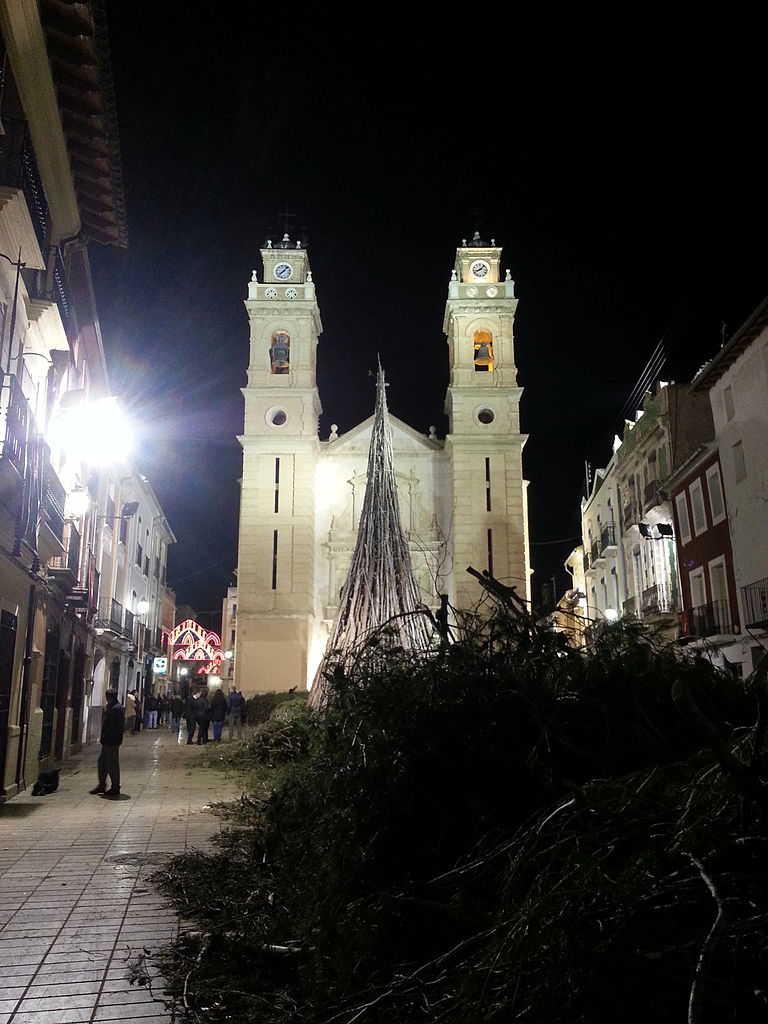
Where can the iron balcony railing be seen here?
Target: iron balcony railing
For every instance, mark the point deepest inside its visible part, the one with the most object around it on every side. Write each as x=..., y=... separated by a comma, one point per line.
x=18, y=169
x=630, y=606
x=607, y=537
x=129, y=624
x=71, y=558
x=651, y=493
x=54, y=497
x=713, y=619
x=594, y=552
x=14, y=422
x=658, y=599
x=756, y=603
x=116, y=616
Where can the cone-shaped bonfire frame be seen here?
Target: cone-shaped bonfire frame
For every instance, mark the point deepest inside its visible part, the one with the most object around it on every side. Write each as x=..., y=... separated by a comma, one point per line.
x=380, y=588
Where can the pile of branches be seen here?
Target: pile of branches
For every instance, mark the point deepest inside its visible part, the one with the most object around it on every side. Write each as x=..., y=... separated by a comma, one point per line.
x=511, y=830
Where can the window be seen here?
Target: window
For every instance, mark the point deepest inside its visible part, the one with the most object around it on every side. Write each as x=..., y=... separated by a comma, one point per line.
x=483, y=351
x=739, y=465
x=487, y=485
x=698, y=588
x=730, y=409
x=490, y=552
x=697, y=508
x=146, y=565
x=232, y=638
x=277, y=485
x=110, y=516
x=683, y=522
x=139, y=555
x=274, y=559
x=123, y=531
x=718, y=585
x=280, y=352
x=715, y=488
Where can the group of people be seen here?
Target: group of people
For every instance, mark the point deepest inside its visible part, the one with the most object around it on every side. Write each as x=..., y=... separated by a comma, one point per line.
x=201, y=711
x=155, y=712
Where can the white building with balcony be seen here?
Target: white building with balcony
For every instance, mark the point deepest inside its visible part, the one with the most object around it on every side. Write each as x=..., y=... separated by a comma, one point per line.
x=735, y=382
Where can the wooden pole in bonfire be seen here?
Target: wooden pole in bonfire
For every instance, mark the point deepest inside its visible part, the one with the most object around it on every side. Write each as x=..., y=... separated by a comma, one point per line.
x=380, y=588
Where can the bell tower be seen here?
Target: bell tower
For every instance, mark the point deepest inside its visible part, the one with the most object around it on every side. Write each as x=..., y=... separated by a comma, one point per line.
x=488, y=494
x=280, y=446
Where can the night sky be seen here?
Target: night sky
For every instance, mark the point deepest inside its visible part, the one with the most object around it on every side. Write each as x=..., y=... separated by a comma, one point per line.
x=622, y=174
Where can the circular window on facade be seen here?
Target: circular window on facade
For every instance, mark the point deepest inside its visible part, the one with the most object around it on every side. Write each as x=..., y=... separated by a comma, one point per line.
x=486, y=416
x=277, y=417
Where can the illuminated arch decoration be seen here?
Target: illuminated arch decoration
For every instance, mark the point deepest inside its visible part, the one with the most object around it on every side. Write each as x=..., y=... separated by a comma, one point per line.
x=189, y=641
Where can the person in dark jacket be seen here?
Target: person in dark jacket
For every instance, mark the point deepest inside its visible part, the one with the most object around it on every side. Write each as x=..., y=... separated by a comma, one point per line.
x=189, y=717
x=162, y=706
x=139, y=713
x=112, y=726
x=177, y=709
x=238, y=712
x=218, y=713
x=202, y=716
x=150, y=707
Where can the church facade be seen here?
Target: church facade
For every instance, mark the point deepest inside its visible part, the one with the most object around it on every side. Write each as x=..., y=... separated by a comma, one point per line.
x=462, y=499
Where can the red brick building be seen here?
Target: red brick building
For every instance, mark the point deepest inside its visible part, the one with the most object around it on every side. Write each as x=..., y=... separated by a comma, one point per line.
x=710, y=611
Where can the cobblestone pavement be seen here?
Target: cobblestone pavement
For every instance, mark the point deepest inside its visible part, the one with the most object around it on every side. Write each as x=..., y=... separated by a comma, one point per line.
x=75, y=902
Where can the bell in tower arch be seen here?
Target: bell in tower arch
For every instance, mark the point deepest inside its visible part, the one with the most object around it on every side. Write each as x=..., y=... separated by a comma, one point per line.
x=280, y=352
x=483, y=343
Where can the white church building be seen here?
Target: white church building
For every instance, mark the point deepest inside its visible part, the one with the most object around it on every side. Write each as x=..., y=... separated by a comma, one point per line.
x=462, y=500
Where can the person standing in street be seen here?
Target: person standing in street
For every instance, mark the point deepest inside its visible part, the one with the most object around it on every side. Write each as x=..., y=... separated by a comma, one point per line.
x=162, y=707
x=237, y=713
x=139, y=721
x=218, y=713
x=202, y=716
x=190, y=716
x=130, y=711
x=112, y=727
x=151, y=705
x=177, y=707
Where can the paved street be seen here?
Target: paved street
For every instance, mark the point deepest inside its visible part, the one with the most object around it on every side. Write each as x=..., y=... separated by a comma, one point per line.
x=75, y=903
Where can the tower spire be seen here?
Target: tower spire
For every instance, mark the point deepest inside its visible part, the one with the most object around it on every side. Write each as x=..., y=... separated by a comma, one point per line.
x=380, y=587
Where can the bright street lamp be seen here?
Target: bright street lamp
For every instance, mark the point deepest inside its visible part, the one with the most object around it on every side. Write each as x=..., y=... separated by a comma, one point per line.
x=96, y=431
x=228, y=655
x=142, y=607
x=77, y=503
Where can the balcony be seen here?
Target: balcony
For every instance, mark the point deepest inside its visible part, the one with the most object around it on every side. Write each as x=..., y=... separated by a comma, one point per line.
x=18, y=171
x=587, y=564
x=14, y=427
x=707, y=620
x=64, y=570
x=658, y=600
x=54, y=497
x=629, y=607
x=594, y=552
x=651, y=494
x=130, y=620
x=111, y=620
x=756, y=604
x=629, y=515
x=607, y=538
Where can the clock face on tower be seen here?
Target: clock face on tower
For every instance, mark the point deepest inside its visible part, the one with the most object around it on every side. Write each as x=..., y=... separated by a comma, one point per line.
x=479, y=269
x=283, y=271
